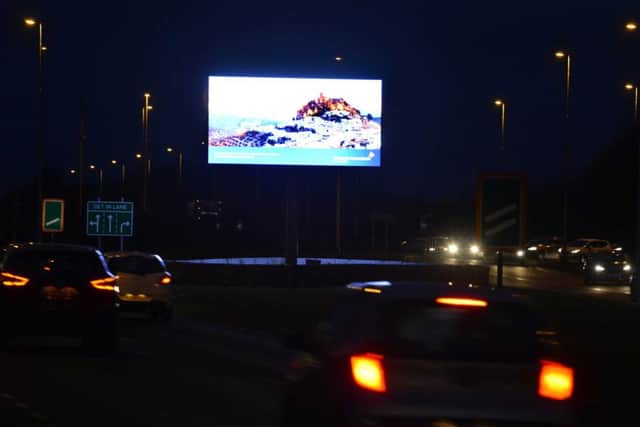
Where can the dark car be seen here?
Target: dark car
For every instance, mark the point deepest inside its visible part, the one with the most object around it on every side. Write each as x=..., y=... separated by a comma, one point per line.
x=543, y=250
x=411, y=354
x=62, y=290
x=607, y=267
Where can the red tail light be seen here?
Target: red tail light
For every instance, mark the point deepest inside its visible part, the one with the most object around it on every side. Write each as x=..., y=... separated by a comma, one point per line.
x=556, y=381
x=106, y=284
x=9, y=279
x=166, y=280
x=368, y=372
x=462, y=302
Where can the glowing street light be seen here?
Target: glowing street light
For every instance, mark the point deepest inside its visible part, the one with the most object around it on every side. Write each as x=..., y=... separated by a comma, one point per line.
x=565, y=56
x=33, y=22
x=500, y=103
x=338, y=58
x=633, y=88
x=72, y=171
x=92, y=167
x=631, y=26
x=114, y=162
x=138, y=155
x=169, y=150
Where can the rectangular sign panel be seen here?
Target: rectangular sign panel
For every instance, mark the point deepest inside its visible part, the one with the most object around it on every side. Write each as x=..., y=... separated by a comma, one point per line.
x=52, y=215
x=501, y=211
x=295, y=121
x=109, y=218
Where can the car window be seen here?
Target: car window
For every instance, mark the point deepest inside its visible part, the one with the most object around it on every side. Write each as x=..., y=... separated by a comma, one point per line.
x=67, y=262
x=598, y=244
x=136, y=265
x=422, y=329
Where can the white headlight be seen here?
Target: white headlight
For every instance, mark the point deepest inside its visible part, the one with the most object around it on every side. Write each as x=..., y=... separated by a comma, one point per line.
x=575, y=251
x=532, y=248
x=598, y=268
x=520, y=253
x=559, y=250
x=432, y=249
x=453, y=248
x=627, y=267
x=474, y=249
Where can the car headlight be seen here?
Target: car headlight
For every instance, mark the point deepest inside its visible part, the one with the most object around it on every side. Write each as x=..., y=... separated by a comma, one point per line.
x=532, y=248
x=432, y=249
x=575, y=251
x=627, y=267
x=453, y=248
x=474, y=249
x=520, y=253
x=598, y=268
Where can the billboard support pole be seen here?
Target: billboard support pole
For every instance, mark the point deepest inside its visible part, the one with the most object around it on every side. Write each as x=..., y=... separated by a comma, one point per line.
x=338, y=212
x=291, y=225
x=122, y=237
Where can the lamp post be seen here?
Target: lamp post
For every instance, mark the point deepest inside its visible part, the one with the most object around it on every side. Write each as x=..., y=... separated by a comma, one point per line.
x=32, y=22
x=632, y=27
x=123, y=175
x=502, y=105
x=147, y=159
x=633, y=88
x=564, y=56
x=100, y=171
x=170, y=150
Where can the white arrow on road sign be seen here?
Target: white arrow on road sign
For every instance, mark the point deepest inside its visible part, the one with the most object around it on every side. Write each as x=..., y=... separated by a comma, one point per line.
x=124, y=224
x=109, y=218
x=52, y=221
x=96, y=222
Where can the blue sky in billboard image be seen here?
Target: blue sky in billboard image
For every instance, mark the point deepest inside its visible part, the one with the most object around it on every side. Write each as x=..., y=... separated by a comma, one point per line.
x=295, y=113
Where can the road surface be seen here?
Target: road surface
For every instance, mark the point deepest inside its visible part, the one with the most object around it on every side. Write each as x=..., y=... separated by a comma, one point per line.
x=163, y=375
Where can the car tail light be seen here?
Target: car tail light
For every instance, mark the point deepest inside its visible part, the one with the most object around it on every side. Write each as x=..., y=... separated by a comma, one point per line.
x=368, y=372
x=9, y=279
x=556, y=381
x=166, y=280
x=106, y=284
x=462, y=302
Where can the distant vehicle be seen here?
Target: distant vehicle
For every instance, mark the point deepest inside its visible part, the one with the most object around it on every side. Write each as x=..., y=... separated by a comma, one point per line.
x=54, y=289
x=578, y=249
x=607, y=267
x=452, y=247
x=549, y=249
x=415, y=353
x=145, y=283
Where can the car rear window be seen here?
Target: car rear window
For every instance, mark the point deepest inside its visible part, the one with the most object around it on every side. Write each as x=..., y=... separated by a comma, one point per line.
x=136, y=265
x=428, y=330
x=89, y=264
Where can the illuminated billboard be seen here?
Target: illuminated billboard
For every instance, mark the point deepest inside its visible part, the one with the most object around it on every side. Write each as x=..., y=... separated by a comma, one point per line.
x=294, y=121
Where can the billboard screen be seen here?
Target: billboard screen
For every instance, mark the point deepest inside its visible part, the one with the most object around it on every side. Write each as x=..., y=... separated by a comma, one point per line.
x=294, y=121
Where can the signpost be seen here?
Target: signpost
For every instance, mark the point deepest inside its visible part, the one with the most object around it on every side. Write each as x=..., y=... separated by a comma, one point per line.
x=52, y=216
x=501, y=214
x=114, y=219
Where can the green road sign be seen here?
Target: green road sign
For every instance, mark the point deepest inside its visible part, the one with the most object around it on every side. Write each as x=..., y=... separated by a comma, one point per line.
x=501, y=211
x=52, y=215
x=109, y=219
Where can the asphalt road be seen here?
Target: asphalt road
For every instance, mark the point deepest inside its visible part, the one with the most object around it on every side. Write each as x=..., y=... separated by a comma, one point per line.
x=164, y=374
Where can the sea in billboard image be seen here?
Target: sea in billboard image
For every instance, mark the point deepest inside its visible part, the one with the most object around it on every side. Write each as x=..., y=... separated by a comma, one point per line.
x=295, y=121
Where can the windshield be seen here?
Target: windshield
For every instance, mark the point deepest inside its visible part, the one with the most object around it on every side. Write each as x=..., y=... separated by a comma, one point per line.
x=136, y=264
x=30, y=262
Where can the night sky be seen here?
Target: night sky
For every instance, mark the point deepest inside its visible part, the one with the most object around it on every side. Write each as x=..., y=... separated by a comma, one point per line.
x=442, y=64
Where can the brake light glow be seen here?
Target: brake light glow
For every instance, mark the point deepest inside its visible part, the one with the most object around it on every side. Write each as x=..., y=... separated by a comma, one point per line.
x=106, y=284
x=368, y=372
x=462, y=302
x=9, y=279
x=556, y=381
x=166, y=280
x=372, y=290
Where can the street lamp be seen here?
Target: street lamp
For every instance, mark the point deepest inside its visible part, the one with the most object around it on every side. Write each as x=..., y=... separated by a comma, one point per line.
x=631, y=26
x=147, y=164
x=502, y=105
x=565, y=56
x=33, y=22
x=93, y=167
x=171, y=150
x=72, y=171
x=123, y=175
x=633, y=88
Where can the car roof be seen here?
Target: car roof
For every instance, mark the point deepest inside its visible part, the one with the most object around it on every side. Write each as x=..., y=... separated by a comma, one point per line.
x=131, y=253
x=407, y=290
x=52, y=247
